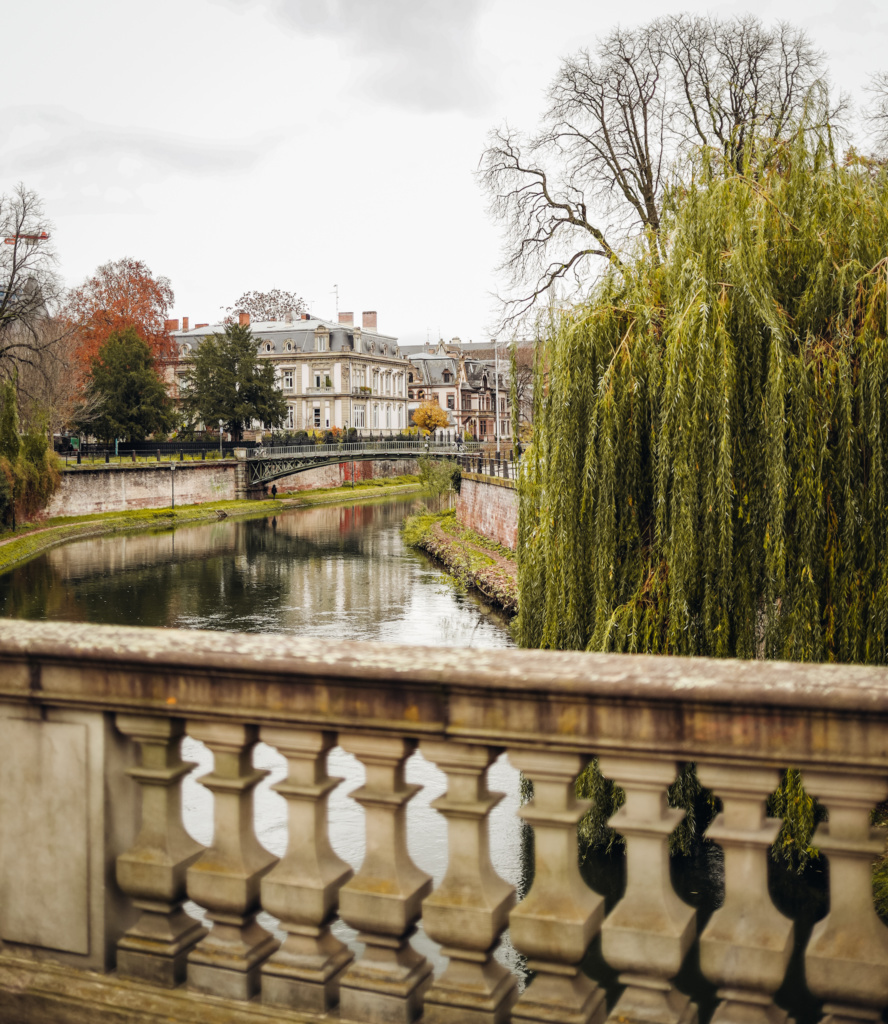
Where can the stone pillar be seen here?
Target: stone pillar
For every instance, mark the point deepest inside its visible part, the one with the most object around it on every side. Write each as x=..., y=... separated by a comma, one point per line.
x=384, y=900
x=152, y=872
x=560, y=915
x=846, y=963
x=649, y=932
x=469, y=910
x=303, y=889
x=746, y=946
x=225, y=880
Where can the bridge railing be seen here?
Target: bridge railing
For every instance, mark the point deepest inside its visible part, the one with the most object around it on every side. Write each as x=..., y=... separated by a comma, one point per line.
x=346, y=448
x=95, y=865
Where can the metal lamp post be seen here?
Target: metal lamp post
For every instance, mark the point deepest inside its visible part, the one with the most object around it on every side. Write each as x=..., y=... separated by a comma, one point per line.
x=220, y=437
x=173, y=483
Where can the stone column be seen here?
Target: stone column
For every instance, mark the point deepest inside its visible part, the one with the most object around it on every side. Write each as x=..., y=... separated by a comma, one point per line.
x=225, y=880
x=747, y=944
x=303, y=889
x=649, y=932
x=469, y=910
x=152, y=872
x=560, y=915
x=384, y=899
x=846, y=962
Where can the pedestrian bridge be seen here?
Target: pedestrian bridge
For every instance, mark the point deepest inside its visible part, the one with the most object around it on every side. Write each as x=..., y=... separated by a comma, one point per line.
x=264, y=465
x=96, y=866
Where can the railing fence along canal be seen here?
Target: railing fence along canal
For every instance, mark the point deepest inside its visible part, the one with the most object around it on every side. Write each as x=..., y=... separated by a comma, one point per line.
x=95, y=864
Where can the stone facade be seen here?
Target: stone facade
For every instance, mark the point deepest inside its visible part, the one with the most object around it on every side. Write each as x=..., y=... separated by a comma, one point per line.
x=489, y=506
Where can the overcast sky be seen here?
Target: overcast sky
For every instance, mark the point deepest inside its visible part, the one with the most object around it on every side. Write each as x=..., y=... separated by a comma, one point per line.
x=254, y=144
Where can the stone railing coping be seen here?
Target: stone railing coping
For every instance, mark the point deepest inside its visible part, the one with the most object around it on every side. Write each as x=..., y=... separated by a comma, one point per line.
x=773, y=712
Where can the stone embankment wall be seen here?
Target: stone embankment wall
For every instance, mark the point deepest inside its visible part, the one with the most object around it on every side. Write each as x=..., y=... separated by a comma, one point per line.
x=489, y=505
x=117, y=488
x=340, y=475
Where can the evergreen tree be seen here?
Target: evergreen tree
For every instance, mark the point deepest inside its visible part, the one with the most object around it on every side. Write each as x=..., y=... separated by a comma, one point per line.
x=228, y=381
x=132, y=399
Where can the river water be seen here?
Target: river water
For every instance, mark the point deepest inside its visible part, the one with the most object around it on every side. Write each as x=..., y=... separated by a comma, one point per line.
x=343, y=573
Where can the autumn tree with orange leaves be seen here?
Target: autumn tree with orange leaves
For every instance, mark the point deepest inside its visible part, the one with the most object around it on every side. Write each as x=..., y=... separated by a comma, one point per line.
x=121, y=294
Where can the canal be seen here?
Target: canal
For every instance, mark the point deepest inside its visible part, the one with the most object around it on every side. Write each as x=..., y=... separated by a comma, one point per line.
x=342, y=572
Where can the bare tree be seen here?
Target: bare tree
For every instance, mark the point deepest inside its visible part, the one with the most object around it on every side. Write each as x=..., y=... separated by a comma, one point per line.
x=876, y=113
x=620, y=119
x=274, y=305
x=50, y=383
x=29, y=284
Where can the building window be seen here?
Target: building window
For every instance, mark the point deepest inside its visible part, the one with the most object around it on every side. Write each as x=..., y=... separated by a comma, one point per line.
x=410, y=394
x=467, y=402
x=388, y=416
x=291, y=419
x=358, y=415
x=447, y=376
x=317, y=415
x=317, y=375
x=288, y=379
x=268, y=346
x=504, y=428
x=409, y=375
x=451, y=402
x=289, y=346
x=482, y=427
x=375, y=415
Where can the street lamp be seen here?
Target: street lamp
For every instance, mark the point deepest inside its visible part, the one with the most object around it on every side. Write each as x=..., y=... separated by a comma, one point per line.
x=220, y=437
x=173, y=483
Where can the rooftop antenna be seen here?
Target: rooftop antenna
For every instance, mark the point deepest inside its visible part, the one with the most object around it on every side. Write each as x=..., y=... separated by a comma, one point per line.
x=336, y=293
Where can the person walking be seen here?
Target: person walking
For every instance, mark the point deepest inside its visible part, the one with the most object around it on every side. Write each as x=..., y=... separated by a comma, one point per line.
x=274, y=491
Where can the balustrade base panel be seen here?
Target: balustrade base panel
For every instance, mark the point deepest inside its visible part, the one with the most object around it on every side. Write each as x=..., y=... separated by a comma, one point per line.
x=548, y=999
x=742, y=1007
x=217, y=981
x=834, y=1013
x=383, y=1001
x=166, y=971
x=445, y=1004
x=652, y=1001
x=279, y=989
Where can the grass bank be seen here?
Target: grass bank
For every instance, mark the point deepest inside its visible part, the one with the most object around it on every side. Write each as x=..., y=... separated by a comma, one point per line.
x=31, y=539
x=473, y=559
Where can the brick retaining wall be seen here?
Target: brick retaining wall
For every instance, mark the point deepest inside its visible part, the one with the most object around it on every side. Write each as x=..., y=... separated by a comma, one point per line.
x=489, y=506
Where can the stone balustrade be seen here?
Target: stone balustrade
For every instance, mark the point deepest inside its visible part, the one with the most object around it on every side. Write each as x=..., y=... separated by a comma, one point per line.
x=96, y=867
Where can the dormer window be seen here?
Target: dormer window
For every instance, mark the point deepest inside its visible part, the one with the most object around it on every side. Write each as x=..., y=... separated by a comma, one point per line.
x=289, y=346
x=484, y=382
x=447, y=376
x=268, y=346
x=409, y=376
x=322, y=342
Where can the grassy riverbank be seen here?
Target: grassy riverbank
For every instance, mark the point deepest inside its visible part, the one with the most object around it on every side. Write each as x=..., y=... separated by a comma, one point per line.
x=473, y=559
x=32, y=538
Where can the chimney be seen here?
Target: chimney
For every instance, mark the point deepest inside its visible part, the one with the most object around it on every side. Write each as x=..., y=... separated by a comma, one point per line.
x=306, y=316
x=171, y=325
x=369, y=319
x=347, y=318
x=197, y=327
x=243, y=319
x=184, y=323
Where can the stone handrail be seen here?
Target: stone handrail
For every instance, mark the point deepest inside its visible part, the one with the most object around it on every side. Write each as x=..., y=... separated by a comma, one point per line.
x=118, y=689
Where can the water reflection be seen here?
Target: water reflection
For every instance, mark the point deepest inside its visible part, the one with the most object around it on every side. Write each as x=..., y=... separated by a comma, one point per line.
x=338, y=572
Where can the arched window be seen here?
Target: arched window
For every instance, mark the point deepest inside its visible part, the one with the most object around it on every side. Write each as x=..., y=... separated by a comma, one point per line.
x=409, y=375
x=268, y=346
x=484, y=382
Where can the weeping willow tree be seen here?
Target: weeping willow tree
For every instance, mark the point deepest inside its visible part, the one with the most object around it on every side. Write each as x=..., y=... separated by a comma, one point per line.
x=710, y=458
x=709, y=467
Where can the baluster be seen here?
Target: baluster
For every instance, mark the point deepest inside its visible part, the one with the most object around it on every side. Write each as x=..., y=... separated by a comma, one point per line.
x=469, y=910
x=303, y=889
x=649, y=932
x=560, y=915
x=225, y=880
x=747, y=944
x=152, y=873
x=846, y=962
x=384, y=899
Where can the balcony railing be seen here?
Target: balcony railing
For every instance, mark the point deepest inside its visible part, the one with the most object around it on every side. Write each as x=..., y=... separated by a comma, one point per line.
x=95, y=865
